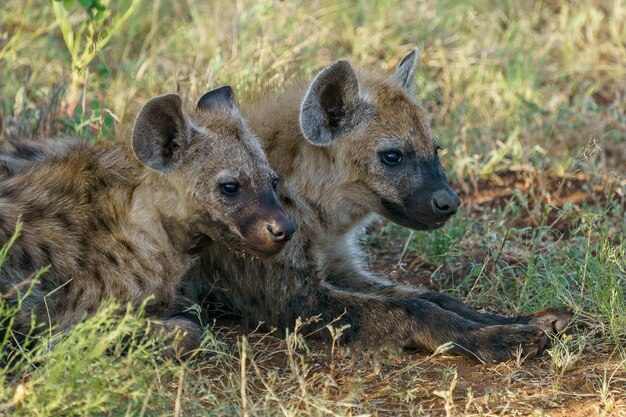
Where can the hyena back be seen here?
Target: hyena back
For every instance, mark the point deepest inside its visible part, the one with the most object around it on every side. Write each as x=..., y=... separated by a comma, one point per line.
x=352, y=145
x=111, y=224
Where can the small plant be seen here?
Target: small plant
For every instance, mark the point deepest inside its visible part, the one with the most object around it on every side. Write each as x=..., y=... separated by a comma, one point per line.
x=565, y=352
x=97, y=23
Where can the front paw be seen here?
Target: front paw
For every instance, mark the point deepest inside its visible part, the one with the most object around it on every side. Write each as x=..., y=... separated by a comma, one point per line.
x=552, y=320
x=502, y=342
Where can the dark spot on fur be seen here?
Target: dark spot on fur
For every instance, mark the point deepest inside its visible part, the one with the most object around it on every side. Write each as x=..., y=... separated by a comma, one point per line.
x=83, y=242
x=101, y=184
x=35, y=212
x=26, y=261
x=64, y=220
x=103, y=223
x=47, y=253
x=201, y=243
x=139, y=279
x=112, y=258
x=28, y=152
x=253, y=301
x=7, y=192
x=6, y=170
x=287, y=202
x=157, y=308
x=128, y=246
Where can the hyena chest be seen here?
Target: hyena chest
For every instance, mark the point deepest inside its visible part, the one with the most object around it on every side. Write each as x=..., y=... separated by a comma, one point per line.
x=261, y=290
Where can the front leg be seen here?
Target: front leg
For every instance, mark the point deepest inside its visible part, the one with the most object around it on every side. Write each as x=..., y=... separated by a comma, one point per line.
x=551, y=320
x=349, y=275
x=414, y=322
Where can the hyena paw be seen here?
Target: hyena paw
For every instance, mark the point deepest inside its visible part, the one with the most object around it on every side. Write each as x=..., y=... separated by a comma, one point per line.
x=552, y=320
x=503, y=342
x=183, y=337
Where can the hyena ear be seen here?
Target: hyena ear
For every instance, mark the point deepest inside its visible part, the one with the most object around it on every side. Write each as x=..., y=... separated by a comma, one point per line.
x=405, y=72
x=223, y=96
x=329, y=105
x=160, y=133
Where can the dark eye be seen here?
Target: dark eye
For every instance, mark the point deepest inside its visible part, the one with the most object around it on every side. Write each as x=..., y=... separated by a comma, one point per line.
x=275, y=182
x=391, y=157
x=229, y=189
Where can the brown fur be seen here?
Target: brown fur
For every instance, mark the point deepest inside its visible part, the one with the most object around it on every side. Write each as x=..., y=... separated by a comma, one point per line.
x=110, y=225
x=326, y=140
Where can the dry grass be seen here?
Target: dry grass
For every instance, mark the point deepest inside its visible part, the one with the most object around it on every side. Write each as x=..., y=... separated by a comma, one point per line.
x=528, y=98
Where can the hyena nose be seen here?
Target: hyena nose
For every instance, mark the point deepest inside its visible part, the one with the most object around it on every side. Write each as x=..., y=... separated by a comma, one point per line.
x=445, y=202
x=280, y=230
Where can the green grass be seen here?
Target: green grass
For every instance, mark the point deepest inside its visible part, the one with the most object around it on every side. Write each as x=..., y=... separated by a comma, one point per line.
x=536, y=87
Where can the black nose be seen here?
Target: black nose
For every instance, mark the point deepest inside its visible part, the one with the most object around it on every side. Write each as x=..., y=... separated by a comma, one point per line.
x=281, y=229
x=445, y=202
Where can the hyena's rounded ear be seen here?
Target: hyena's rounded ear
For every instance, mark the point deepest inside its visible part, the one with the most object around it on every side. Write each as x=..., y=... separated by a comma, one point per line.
x=328, y=108
x=219, y=98
x=405, y=71
x=160, y=132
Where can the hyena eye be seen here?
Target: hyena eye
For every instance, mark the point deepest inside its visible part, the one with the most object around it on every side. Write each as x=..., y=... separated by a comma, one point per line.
x=275, y=182
x=391, y=157
x=229, y=189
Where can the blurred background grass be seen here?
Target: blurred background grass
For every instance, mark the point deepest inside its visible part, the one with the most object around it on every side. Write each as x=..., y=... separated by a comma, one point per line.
x=507, y=82
x=512, y=86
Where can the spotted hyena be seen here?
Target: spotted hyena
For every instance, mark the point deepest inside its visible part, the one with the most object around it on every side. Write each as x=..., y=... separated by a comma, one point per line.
x=350, y=146
x=126, y=225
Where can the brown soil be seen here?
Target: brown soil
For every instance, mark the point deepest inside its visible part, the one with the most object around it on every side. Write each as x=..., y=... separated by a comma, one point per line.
x=393, y=383
x=542, y=190
x=497, y=189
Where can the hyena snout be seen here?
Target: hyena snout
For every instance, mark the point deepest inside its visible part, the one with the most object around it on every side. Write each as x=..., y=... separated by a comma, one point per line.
x=280, y=228
x=268, y=228
x=445, y=202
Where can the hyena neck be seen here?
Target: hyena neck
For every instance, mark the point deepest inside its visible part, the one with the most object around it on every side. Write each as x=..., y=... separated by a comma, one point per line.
x=313, y=172
x=158, y=212
x=322, y=181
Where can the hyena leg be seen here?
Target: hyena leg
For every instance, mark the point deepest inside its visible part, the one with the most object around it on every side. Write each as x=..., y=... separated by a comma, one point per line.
x=418, y=322
x=550, y=320
x=183, y=335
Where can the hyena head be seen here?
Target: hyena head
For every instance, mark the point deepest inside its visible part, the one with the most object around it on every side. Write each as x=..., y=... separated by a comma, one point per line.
x=382, y=139
x=227, y=189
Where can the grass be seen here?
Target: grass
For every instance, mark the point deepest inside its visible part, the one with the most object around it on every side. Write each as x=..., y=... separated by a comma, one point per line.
x=527, y=98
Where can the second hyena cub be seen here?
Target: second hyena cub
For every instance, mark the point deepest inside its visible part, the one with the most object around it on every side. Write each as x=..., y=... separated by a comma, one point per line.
x=111, y=224
x=350, y=145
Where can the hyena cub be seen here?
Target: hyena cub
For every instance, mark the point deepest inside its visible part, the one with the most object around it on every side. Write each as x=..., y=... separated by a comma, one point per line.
x=113, y=225
x=351, y=145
